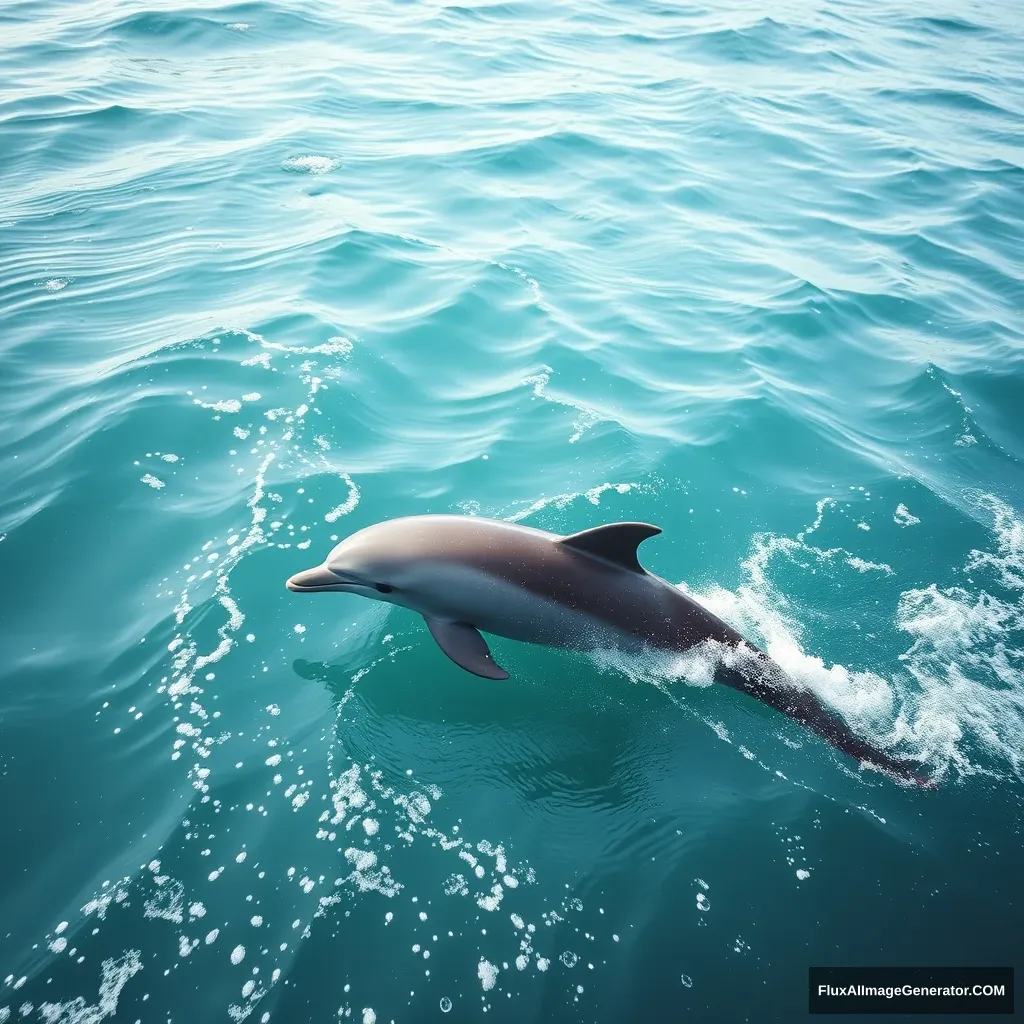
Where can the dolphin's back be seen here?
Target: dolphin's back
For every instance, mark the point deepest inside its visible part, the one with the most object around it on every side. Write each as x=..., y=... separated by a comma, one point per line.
x=564, y=583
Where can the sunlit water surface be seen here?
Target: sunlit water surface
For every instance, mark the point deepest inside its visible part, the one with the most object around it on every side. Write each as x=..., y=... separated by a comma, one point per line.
x=275, y=271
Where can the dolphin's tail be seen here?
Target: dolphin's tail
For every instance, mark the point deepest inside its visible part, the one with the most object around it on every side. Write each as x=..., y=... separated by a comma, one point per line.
x=759, y=676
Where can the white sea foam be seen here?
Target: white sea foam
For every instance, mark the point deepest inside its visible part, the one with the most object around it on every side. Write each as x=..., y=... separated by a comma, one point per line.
x=560, y=501
x=487, y=973
x=337, y=346
x=168, y=903
x=957, y=691
x=904, y=517
x=967, y=656
x=226, y=405
x=348, y=504
x=116, y=973
x=407, y=815
x=587, y=417
x=311, y=164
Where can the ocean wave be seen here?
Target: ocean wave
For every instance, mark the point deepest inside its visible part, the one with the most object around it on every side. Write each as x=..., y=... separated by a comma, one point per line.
x=268, y=274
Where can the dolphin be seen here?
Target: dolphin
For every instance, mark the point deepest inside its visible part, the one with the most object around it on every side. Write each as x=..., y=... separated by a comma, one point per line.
x=468, y=575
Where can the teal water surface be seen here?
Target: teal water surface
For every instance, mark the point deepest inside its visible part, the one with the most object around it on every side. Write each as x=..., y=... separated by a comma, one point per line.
x=273, y=271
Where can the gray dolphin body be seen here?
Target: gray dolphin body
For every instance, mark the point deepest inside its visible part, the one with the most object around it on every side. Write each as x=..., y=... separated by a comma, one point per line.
x=466, y=575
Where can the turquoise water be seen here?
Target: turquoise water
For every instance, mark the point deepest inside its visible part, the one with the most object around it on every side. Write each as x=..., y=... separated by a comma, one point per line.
x=271, y=272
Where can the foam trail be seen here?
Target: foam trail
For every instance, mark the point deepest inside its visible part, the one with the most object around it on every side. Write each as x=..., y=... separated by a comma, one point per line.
x=967, y=656
x=957, y=691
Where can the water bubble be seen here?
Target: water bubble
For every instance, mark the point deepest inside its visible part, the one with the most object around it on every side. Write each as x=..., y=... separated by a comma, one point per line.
x=446, y=1004
x=686, y=980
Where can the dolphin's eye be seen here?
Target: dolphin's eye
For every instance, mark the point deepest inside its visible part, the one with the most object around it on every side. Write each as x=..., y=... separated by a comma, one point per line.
x=383, y=588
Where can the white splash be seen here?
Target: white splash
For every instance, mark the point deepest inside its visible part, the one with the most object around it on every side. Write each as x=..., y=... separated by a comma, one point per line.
x=335, y=346
x=587, y=416
x=904, y=517
x=227, y=405
x=116, y=974
x=967, y=657
x=487, y=973
x=311, y=164
x=963, y=676
x=560, y=501
x=348, y=504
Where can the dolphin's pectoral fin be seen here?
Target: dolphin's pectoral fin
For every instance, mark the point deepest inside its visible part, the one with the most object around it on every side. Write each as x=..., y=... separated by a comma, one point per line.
x=466, y=647
x=616, y=542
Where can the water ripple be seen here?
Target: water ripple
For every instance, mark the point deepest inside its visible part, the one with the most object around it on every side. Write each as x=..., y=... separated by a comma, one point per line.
x=270, y=272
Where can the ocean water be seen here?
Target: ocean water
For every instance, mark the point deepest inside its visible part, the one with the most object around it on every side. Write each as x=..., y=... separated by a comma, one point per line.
x=273, y=271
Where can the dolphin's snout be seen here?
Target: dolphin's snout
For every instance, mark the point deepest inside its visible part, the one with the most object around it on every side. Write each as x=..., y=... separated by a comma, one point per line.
x=320, y=578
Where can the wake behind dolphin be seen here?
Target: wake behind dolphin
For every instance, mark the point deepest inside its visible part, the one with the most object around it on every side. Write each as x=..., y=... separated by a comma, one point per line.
x=466, y=575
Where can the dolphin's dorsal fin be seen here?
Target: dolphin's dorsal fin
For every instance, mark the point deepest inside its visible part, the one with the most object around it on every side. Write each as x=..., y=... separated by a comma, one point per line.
x=615, y=543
